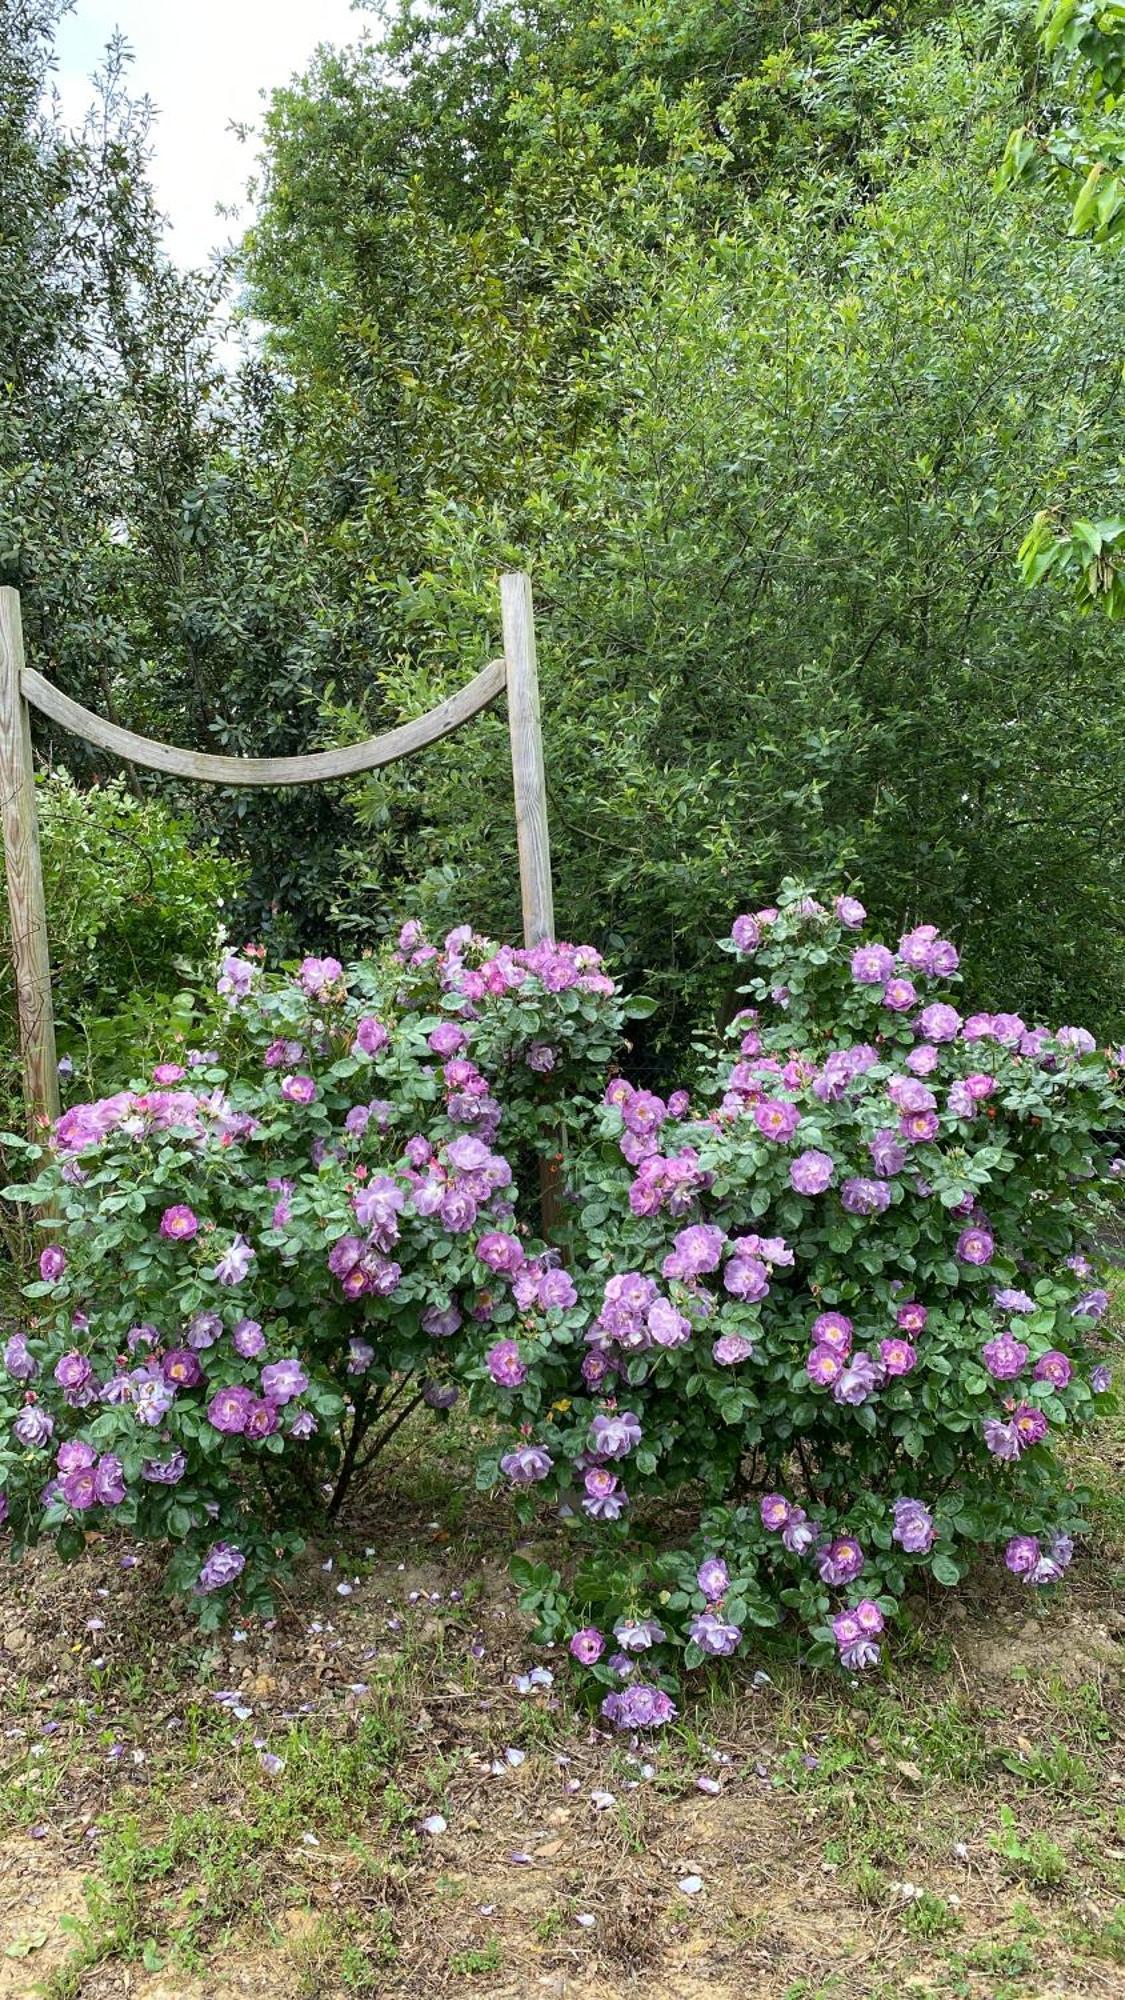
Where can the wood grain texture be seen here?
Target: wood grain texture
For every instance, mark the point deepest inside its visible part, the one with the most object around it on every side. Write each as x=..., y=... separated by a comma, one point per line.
x=528, y=777
x=311, y=770
x=24, y=874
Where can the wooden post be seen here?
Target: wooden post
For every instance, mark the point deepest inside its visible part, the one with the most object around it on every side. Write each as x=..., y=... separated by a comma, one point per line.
x=528, y=778
x=24, y=871
x=530, y=785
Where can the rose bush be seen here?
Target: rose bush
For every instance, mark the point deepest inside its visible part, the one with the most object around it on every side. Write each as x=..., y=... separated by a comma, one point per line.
x=268, y=1253
x=839, y=1307
x=807, y=1335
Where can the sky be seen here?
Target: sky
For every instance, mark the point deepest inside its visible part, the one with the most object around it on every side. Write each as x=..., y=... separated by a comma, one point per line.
x=203, y=64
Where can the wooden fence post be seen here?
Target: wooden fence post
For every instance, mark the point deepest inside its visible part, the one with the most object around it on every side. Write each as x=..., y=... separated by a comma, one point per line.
x=530, y=785
x=528, y=780
x=24, y=871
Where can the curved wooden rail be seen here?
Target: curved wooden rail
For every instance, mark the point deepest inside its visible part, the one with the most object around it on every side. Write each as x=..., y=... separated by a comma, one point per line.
x=343, y=763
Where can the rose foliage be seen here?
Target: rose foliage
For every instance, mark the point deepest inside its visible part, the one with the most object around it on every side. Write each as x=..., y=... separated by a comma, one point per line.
x=806, y=1336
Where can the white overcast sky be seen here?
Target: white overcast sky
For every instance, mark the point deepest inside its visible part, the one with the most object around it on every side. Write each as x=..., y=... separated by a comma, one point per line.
x=204, y=63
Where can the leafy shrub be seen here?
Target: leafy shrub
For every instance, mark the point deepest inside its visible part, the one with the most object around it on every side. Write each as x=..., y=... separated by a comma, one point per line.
x=814, y=1340
x=134, y=903
x=278, y=1246
x=840, y=1309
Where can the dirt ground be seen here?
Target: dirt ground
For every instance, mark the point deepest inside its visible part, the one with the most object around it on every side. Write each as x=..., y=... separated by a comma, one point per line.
x=954, y=1825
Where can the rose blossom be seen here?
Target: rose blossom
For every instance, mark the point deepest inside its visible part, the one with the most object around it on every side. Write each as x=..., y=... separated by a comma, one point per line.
x=587, y=1645
x=811, y=1172
x=1004, y=1357
x=178, y=1223
x=914, y=1527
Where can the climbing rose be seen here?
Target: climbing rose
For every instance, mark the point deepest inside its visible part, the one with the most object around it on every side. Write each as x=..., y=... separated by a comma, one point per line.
x=52, y=1263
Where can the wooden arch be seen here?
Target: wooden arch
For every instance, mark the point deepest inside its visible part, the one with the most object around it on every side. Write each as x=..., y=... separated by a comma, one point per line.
x=21, y=689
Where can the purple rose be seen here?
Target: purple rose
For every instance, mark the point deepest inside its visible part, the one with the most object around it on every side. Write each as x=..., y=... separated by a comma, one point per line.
x=775, y=1511
x=52, y=1263
x=229, y=1409
x=872, y=965
x=73, y=1453
x=78, y=1488
x=1030, y=1425
x=555, y=1290
x=527, y=1464
x=824, y=1367
x=860, y=1196
x=1001, y=1438
x=731, y=1348
x=745, y=935
x=371, y=1037
x=939, y=1023
x=841, y=1562
x=1092, y=1305
x=888, y=1157
x=33, y=1427
x=860, y=1377
x=638, y=1707
x=713, y=1635
x=282, y=1380
x=911, y=1317
x=182, y=1367
x=247, y=1338
x=974, y=1246
x=746, y=1278
x=19, y=1360
x=165, y=1471
x=776, y=1118
x=587, y=1645
x=1022, y=1554
x=1101, y=1379
x=914, y=1527
x=505, y=1364
x=298, y=1089
x=222, y=1565
x=799, y=1533
x=234, y=1263
x=898, y=1356
x=178, y=1223
x=834, y=1330
x=811, y=1172
x=73, y=1371
x=899, y=994
x=668, y=1327
x=850, y=912
x=501, y=1252
x=262, y=1417
x=615, y=1435
x=1004, y=1357
x=712, y=1578
x=637, y=1635
x=204, y=1329
x=109, y=1480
